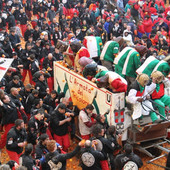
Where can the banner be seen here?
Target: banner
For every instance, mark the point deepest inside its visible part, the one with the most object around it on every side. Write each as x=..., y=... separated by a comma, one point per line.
x=4, y=65
x=83, y=92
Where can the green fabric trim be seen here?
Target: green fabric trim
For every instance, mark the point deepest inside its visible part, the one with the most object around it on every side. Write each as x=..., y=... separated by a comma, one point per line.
x=141, y=88
x=157, y=87
x=96, y=106
x=65, y=88
x=58, y=88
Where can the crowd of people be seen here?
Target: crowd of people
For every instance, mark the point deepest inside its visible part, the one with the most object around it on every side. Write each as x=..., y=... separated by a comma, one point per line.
x=122, y=45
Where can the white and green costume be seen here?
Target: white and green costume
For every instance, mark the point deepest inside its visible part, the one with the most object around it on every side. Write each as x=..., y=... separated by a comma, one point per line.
x=127, y=62
x=109, y=49
x=94, y=45
x=108, y=54
x=148, y=66
x=163, y=67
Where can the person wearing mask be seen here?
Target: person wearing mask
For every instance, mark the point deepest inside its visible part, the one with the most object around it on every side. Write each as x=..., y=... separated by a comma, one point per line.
x=16, y=140
x=158, y=93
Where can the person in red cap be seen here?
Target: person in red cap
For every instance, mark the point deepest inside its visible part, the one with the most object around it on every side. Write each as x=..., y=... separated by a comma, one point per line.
x=106, y=27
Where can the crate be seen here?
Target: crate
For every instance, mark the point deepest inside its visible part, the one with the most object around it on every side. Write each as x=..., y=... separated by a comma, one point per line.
x=148, y=132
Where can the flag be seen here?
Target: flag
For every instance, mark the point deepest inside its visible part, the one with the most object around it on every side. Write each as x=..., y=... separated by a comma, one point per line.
x=4, y=65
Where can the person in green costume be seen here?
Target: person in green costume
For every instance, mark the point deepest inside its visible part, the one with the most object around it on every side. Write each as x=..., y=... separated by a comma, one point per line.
x=137, y=95
x=158, y=92
x=128, y=61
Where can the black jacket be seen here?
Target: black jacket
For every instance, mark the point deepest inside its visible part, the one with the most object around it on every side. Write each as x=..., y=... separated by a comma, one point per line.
x=40, y=152
x=57, y=158
x=10, y=113
x=49, y=64
x=13, y=138
x=28, y=162
x=16, y=100
x=24, y=56
x=59, y=130
x=106, y=146
x=29, y=102
x=35, y=127
x=27, y=34
x=24, y=94
x=23, y=18
x=48, y=100
x=14, y=39
x=122, y=159
x=90, y=159
x=12, y=84
x=41, y=86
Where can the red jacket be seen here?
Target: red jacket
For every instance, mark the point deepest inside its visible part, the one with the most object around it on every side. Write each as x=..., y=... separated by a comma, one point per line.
x=166, y=11
x=147, y=25
x=141, y=29
x=153, y=10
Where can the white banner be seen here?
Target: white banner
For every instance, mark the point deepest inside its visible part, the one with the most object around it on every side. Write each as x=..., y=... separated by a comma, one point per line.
x=4, y=65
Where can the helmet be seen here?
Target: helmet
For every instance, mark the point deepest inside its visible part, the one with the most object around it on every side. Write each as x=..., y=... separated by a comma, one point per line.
x=83, y=61
x=75, y=46
x=143, y=79
x=158, y=76
x=141, y=50
x=90, y=69
x=103, y=82
x=119, y=40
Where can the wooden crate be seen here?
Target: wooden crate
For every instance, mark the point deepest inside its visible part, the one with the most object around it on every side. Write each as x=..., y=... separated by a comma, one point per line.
x=149, y=132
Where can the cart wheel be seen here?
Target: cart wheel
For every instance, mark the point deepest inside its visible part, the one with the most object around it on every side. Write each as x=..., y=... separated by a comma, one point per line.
x=154, y=151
